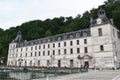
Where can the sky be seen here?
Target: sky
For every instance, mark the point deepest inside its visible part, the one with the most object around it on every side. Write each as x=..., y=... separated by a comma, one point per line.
x=16, y=12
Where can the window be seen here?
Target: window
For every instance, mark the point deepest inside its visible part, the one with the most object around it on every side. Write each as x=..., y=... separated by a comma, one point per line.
x=48, y=45
x=71, y=36
x=64, y=43
x=65, y=51
x=71, y=51
x=64, y=37
x=48, y=53
x=48, y=40
x=78, y=50
x=39, y=47
x=26, y=55
x=38, y=62
x=53, y=52
x=101, y=48
x=30, y=63
x=113, y=32
x=43, y=46
x=20, y=55
x=31, y=48
x=16, y=55
x=35, y=53
x=26, y=49
x=86, y=50
x=99, y=32
x=71, y=43
x=58, y=52
x=25, y=63
x=35, y=47
x=77, y=35
x=77, y=42
x=48, y=62
x=43, y=53
x=59, y=38
x=58, y=44
x=53, y=45
x=39, y=53
x=21, y=49
x=31, y=54
x=118, y=34
x=84, y=34
x=85, y=41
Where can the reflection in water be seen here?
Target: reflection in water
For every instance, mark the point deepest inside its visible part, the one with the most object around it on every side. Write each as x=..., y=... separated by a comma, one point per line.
x=36, y=74
x=24, y=75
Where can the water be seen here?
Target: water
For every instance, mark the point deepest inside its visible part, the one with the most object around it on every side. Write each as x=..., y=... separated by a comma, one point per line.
x=40, y=74
x=24, y=75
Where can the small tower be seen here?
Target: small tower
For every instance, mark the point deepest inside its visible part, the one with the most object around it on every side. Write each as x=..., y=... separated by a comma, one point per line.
x=12, y=46
x=102, y=19
x=18, y=38
x=101, y=14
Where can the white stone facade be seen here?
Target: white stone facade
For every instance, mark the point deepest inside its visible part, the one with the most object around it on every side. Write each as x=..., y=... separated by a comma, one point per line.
x=97, y=46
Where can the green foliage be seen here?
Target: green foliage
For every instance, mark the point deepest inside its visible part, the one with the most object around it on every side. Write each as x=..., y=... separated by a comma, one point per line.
x=38, y=29
x=48, y=33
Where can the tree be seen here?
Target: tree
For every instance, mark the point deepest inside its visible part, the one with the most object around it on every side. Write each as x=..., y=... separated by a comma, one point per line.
x=38, y=29
x=48, y=33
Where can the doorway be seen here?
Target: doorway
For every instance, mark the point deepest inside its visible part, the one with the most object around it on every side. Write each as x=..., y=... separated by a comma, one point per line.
x=71, y=63
x=86, y=63
x=59, y=63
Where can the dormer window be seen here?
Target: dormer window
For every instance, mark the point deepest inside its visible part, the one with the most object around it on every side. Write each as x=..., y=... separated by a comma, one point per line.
x=48, y=40
x=77, y=35
x=53, y=39
x=84, y=34
x=59, y=38
x=71, y=36
x=65, y=37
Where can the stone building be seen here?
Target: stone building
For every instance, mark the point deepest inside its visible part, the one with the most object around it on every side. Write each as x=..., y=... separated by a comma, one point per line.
x=96, y=46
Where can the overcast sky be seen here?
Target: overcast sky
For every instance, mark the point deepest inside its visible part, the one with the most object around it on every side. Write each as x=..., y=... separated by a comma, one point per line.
x=16, y=12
